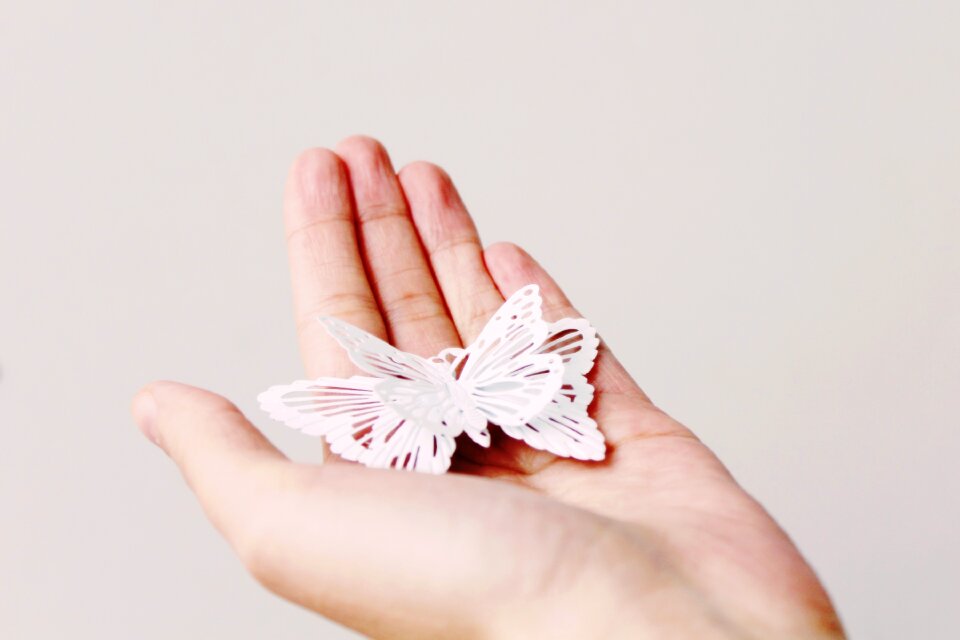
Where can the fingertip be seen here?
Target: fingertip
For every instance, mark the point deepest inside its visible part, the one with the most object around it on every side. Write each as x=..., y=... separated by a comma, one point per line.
x=315, y=161
x=166, y=392
x=505, y=253
x=144, y=410
x=423, y=171
x=317, y=179
x=362, y=148
x=151, y=398
x=376, y=189
x=440, y=216
x=369, y=167
x=512, y=268
x=422, y=179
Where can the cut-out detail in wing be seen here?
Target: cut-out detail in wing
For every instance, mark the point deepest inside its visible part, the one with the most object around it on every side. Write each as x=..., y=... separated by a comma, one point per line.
x=564, y=427
x=356, y=418
x=508, y=381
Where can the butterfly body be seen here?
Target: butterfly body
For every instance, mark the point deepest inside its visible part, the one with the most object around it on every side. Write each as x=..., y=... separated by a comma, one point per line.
x=522, y=374
x=443, y=406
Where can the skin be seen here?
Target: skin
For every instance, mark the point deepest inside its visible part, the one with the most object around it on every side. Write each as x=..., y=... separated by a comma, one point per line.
x=656, y=541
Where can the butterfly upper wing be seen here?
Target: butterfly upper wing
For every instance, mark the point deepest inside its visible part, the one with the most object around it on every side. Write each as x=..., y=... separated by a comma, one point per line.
x=507, y=379
x=359, y=421
x=377, y=357
x=564, y=427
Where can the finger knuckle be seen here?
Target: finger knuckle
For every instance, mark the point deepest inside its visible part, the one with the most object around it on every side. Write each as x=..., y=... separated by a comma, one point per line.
x=413, y=307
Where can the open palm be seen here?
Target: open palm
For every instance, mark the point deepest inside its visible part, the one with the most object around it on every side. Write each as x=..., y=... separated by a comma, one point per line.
x=655, y=541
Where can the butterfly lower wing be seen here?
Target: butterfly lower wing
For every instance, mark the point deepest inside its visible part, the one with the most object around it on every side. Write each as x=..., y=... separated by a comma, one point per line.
x=413, y=448
x=519, y=392
x=564, y=427
x=352, y=414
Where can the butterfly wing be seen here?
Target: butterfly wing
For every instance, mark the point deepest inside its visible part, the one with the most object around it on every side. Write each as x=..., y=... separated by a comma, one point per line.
x=378, y=358
x=361, y=419
x=419, y=389
x=564, y=427
x=508, y=381
x=400, y=417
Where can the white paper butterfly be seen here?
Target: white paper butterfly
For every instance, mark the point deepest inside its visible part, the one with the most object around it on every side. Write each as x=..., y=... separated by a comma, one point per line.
x=522, y=374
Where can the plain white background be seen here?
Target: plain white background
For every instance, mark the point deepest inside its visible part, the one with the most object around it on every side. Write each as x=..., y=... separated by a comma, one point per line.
x=756, y=202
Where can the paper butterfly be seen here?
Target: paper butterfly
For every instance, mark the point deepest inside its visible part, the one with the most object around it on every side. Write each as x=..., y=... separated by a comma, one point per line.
x=522, y=374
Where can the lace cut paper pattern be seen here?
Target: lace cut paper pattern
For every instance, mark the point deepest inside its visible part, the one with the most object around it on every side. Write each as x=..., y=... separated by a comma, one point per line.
x=522, y=374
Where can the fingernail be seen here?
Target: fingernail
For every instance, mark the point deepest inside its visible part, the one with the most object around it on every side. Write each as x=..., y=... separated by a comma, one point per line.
x=145, y=415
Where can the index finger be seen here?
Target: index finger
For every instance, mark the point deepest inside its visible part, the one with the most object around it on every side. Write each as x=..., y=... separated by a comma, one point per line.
x=325, y=265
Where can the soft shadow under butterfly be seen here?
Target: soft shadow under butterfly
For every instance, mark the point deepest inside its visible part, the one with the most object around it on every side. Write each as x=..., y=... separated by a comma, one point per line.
x=522, y=374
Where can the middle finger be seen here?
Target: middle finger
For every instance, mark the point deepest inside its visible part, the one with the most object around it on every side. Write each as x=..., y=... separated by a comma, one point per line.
x=400, y=276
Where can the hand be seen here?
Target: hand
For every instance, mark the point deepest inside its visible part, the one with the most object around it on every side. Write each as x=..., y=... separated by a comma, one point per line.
x=656, y=541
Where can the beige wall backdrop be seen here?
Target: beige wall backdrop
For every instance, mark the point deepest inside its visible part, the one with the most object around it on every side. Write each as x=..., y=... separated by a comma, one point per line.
x=758, y=203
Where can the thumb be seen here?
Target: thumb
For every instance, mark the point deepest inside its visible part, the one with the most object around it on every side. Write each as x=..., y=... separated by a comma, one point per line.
x=226, y=461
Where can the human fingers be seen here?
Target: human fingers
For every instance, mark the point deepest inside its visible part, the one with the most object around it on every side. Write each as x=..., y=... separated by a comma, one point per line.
x=453, y=245
x=325, y=264
x=411, y=305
